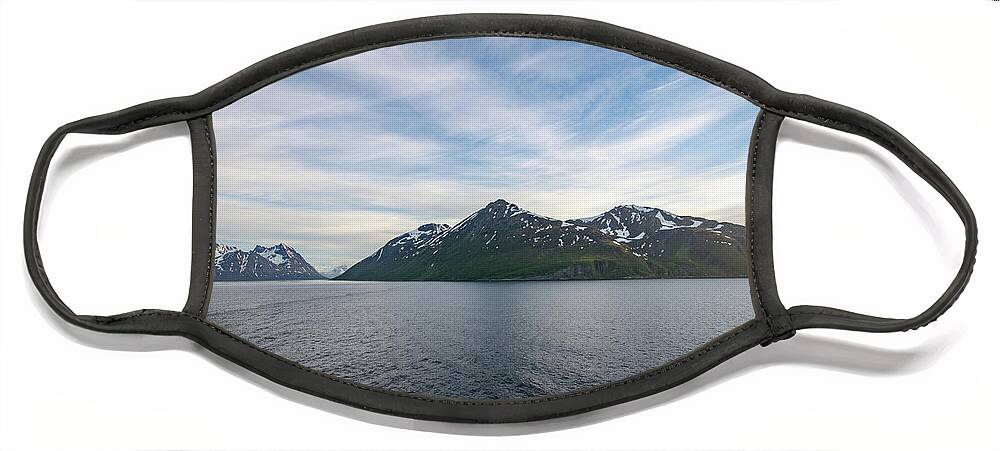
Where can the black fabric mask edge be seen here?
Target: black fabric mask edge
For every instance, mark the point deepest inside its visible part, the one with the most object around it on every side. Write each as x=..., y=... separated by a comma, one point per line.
x=772, y=323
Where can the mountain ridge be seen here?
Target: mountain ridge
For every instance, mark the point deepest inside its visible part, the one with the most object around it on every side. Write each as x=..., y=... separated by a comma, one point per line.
x=501, y=241
x=278, y=262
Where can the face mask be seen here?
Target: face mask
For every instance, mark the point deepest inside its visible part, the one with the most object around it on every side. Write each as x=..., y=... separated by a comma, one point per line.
x=486, y=218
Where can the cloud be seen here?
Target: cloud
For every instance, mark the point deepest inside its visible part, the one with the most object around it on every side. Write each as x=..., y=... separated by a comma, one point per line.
x=339, y=159
x=270, y=107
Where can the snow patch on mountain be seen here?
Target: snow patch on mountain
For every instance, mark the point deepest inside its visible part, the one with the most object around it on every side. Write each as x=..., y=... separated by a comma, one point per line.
x=223, y=249
x=627, y=223
x=273, y=256
x=278, y=262
x=334, y=271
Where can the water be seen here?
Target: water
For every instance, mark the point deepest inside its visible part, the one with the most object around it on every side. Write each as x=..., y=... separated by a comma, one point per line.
x=482, y=340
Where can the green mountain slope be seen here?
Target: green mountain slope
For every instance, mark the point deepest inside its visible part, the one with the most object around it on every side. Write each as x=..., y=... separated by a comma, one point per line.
x=502, y=241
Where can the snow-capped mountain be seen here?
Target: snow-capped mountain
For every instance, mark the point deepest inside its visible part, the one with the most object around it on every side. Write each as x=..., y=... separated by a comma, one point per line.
x=278, y=262
x=410, y=243
x=641, y=226
x=681, y=245
x=632, y=222
x=503, y=241
x=500, y=241
x=333, y=271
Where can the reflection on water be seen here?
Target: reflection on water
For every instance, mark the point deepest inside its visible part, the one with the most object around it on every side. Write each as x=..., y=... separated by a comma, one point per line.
x=482, y=340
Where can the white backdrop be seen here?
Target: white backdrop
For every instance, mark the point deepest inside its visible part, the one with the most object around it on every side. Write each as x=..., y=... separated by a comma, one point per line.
x=853, y=229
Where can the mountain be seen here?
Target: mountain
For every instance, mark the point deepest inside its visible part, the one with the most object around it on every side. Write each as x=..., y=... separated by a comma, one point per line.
x=278, y=262
x=503, y=241
x=676, y=246
x=334, y=271
x=500, y=241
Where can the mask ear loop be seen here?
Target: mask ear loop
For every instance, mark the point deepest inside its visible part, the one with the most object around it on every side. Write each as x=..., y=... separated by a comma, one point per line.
x=852, y=121
x=150, y=321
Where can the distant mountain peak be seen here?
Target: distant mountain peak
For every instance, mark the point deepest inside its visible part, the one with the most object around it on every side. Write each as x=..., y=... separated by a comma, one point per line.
x=278, y=262
x=636, y=207
x=223, y=249
x=502, y=208
x=631, y=222
x=279, y=246
x=333, y=271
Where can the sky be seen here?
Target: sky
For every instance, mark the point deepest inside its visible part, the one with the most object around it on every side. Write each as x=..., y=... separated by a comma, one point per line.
x=338, y=159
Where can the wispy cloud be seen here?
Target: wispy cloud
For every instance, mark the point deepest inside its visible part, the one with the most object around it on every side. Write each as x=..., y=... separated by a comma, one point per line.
x=339, y=159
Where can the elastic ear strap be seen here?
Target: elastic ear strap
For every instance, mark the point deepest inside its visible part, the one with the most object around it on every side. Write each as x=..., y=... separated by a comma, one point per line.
x=32, y=209
x=852, y=121
x=96, y=125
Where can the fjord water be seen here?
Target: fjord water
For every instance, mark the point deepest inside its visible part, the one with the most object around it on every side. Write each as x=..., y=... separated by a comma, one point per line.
x=482, y=340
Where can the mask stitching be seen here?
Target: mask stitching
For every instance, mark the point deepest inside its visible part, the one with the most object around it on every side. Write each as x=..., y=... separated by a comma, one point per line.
x=828, y=312
x=670, y=366
x=211, y=217
x=753, y=222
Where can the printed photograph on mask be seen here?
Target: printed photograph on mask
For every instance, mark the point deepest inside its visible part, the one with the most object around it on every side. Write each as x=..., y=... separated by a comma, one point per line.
x=485, y=218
